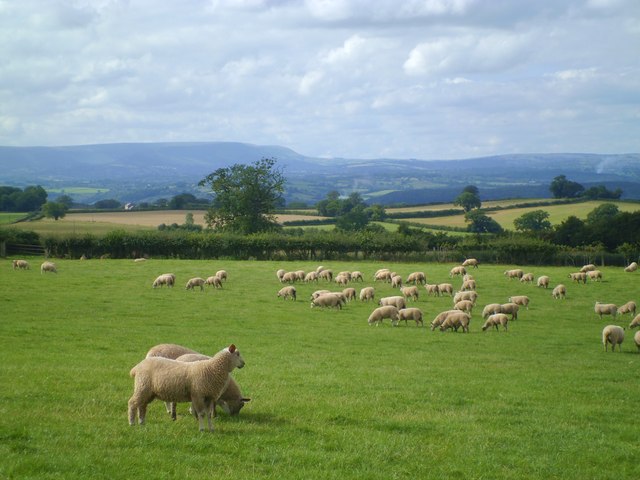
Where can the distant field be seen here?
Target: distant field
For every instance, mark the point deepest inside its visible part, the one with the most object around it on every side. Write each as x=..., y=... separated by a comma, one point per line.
x=78, y=190
x=448, y=206
x=10, y=217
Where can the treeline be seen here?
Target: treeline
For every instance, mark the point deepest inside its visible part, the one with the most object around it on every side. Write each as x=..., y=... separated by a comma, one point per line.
x=13, y=199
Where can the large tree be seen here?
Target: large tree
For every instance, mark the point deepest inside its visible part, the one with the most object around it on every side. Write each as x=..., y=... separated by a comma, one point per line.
x=468, y=200
x=480, y=222
x=534, y=221
x=245, y=197
x=54, y=210
x=561, y=187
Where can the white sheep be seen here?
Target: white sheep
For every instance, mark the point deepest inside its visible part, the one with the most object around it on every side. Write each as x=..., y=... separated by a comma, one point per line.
x=417, y=278
x=440, y=318
x=20, y=264
x=578, y=277
x=345, y=274
x=464, y=305
x=510, y=308
x=379, y=271
x=605, y=309
x=289, y=277
x=594, y=275
x=341, y=279
x=327, y=300
x=468, y=285
x=514, y=273
x=396, y=281
x=311, y=277
x=470, y=295
x=287, y=292
x=280, y=273
x=635, y=322
x=195, y=282
x=356, y=276
x=614, y=335
x=396, y=300
x=560, y=291
x=214, y=281
x=527, y=278
x=168, y=279
x=317, y=293
x=632, y=267
x=433, y=289
x=445, y=288
x=48, y=267
x=139, y=260
x=410, y=292
x=349, y=293
x=172, y=381
x=455, y=321
x=636, y=339
x=471, y=262
x=457, y=271
x=467, y=276
x=380, y=313
x=411, y=314
x=326, y=275
x=495, y=320
x=168, y=350
x=629, y=307
x=543, y=281
x=588, y=268
x=222, y=275
x=491, y=309
x=300, y=275
x=522, y=300
x=366, y=294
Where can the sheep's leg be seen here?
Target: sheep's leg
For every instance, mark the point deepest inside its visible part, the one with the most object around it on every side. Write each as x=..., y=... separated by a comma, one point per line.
x=142, y=413
x=173, y=411
x=132, y=412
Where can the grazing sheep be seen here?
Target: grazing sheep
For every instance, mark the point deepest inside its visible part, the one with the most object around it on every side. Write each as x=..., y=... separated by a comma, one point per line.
x=464, y=305
x=510, y=308
x=172, y=381
x=417, y=278
x=168, y=279
x=605, y=309
x=366, y=294
x=636, y=339
x=300, y=275
x=214, y=281
x=468, y=285
x=560, y=291
x=168, y=350
x=457, y=271
x=326, y=275
x=289, y=277
x=635, y=322
x=470, y=262
x=632, y=267
x=349, y=293
x=495, y=320
x=48, y=267
x=357, y=276
x=445, y=288
x=410, y=292
x=527, y=278
x=594, y=275
x=317, y=293
x=139, y=260
x=588, y=268
x=411, y=314
x=311, y=277
x=629, y=307
x=383, y=276
x=20, y=264
x=470, y=295
x=379, y=271
x=520, y=300
x=280, y=273
x=222, y=275
x=380, y=313
x=433, y=289
x=288, y=292
x=341, y=280
x=327, y=300
x=614, y=335
x=491, y=309
x=543, y=281
x=397, y=301
x=455, y=321
x=319, y=269
x=467, y=276
x=345, y=274
x=514, y=273
x=396, y=282
x=440, y=318
x=195, y=282
x=578, y=277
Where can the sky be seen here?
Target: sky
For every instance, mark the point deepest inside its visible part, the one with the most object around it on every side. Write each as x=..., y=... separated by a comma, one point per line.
x=427, y=79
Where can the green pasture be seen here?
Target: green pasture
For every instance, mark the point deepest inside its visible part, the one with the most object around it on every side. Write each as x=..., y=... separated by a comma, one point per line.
x=332, y=397
x=68, y=226
x=78, y=190
x=7, y=218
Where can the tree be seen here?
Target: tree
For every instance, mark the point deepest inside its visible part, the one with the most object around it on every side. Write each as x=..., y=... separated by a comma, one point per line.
x=180, y=201
x=602, y=192
x=562, y=188
x=603, y=212
x=108, y=204
x=472, y=189
x=479, y=222
x=54, y=210
x=354, y=220
x=571, y=232
x=66, y=200
x=534, y=221
x=468, y=200
x=245, y=197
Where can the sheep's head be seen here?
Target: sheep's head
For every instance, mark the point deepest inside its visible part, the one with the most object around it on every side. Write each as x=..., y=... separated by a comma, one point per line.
x=237, y=360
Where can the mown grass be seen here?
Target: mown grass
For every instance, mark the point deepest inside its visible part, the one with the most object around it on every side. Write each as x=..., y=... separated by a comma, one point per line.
x=331, y=396
x=7, y=218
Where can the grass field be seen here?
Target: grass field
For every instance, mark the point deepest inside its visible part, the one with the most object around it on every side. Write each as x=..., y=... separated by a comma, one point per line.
x=331, y=396
x=7, y=218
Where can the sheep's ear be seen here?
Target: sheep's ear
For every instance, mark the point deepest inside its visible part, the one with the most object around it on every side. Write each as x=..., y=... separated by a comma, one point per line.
x=232, y=348
x=245, y=400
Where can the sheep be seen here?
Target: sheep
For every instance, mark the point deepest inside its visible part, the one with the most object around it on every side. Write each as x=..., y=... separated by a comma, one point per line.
x=380, y=313
x=384, y=276
x=440, y=318
x=349, y=293
x=457, y=271
x=379, y=271
x=300, y=275
x=288, y=292
x=396, y=281
x=614, y=335
x=366, y=294
x=470, y=262
x=495, y=320
x=636, y=339
x=588, y=268
x=289, y=277
x=433, y=289
x=410, y=292
x=411, y=314
x=214, y=281
x=195, y=282
x=445, y=288
x=326, y=275
x=168, y=350
x=341, y=279
x=467, y=276
x=594, y=275
x=635, y=322
x=629, y=307
x=327, y=300
x=464, y=305
x=167, y=279
x=222, y=275
x=605, y=309
x=543, y=281
x=20, y=264
x=632, y=267
x=468, y=285
x=522, y=300
x=357, y=276
x=491, y=309
x=317, y=293
x=514, y=273
x=560, y=291
x=417, y=278
x=527, y=278
x=470, y=295
x=578, y=277
x=397, y=301
x=455, y=321
x=319, y=269
x=510, y=308
x=280, y=273
x=48, y=267
x=345, y=274
x=139, y=260
x=311, y=277
x=173, y=381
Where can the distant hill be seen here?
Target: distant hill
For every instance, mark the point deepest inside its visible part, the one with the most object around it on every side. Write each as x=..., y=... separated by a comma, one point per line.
x=133, y=172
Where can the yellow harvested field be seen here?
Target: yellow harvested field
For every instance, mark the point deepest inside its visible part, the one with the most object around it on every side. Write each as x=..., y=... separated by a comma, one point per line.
x=448, y=206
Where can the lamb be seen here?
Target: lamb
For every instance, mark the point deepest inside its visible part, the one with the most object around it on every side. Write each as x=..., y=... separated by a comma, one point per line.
x=417, y=278
x=632, y=267
x=527, y=278
x=280, y=273
x=172, y=381
x=468, y=285
x=470, y=262
x=195, y=282
x=167, y=279
x=349, y=293
x=588, y=268
x=440, y=318
x=288, y=292
x=380, y=313
x=636, y=339
x=311, y=277
x=455, y=321
x=594, y=275
x=327, y=300
x=635, y=322
x=317, y=293
x=445, y=288
x=560, y=291
x=410, y=292
x=48, y=267
x=326, y=275
x=457, y=271
x=396, y=281
x=464, y=305
x=20, y=264
x=214, y=281
x=495, y=320
x=543, y=281
x=491, y=309
x=366, y=294
x=289, y=277
x=470, y=295
x=514, y=273
x=629, y=307
x=411, y=314
x=222, y=275
x=605, y=309
x=578, y=277
x=341, y=279
x=432, y=289
x=522, y=300
x=510, y=308
x=614, y=335
x=397, y=301
x=357, y=276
